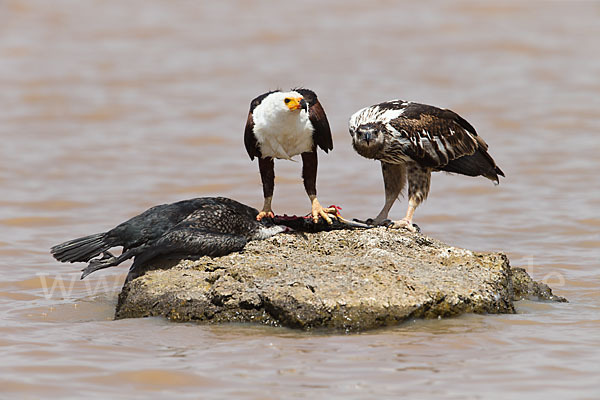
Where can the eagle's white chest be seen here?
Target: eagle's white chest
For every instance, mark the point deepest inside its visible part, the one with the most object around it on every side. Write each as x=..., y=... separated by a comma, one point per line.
x=282, y=133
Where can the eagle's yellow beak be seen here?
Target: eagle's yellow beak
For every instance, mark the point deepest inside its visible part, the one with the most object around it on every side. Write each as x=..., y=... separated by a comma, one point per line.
x=294, y=103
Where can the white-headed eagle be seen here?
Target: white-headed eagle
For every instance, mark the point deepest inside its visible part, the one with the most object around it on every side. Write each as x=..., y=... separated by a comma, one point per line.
x=283, y=125
x=411, y=140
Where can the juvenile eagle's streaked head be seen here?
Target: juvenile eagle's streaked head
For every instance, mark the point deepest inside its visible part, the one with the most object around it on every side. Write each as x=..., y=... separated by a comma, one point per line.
x=367, y=139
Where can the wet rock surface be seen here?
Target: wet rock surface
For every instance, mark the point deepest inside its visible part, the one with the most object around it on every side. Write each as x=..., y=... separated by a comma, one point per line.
x=351, y=280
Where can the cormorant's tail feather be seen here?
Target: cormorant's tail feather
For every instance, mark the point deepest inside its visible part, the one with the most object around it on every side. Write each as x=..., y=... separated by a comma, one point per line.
x=478, y=163
x=81, y=249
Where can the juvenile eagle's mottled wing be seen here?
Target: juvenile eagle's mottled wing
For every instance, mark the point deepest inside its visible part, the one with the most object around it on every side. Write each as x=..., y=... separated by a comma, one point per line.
x=250, y=142
x=441, y=139
x=432, y=137
x=316, y=114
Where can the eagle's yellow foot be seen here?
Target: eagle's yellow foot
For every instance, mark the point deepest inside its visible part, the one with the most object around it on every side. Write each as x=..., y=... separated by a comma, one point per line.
x=403, y=223
x=318, y=211
x=267, y=213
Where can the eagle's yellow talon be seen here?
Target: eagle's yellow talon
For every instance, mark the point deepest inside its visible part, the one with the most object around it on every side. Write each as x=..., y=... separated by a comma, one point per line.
x=403, y=223
x=325, y=216
x=317, y=211
x=263, y=214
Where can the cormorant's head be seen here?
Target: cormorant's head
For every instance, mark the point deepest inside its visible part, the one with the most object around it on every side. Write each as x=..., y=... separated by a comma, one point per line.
x=367, y=139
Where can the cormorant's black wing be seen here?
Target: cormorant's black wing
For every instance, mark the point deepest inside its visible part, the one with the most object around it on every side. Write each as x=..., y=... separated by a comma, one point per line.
x=216, y=228
x=190, y=241
x=316, y=114
x=154, y=222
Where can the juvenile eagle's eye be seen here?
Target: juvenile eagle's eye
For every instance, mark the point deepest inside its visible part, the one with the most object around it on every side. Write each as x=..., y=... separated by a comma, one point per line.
x=287, y=100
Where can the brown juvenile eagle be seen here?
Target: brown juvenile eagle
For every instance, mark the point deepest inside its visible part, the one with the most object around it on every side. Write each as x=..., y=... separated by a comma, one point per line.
x=411, y=140
x=283, y=125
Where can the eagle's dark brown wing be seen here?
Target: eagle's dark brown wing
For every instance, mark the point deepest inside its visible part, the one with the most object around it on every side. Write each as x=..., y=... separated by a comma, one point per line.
x=441, y=139
x=316, y=114
x=250, y=142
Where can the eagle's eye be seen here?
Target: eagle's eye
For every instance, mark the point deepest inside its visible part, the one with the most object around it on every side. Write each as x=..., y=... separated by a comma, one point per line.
x=287, y=100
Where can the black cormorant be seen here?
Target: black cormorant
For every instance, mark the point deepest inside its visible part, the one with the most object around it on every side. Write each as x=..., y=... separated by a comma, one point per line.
x=212, y=226
x=205, y=226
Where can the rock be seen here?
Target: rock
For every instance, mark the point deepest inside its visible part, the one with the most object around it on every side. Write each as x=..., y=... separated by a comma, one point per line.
x=526, y=288
x=352, y=280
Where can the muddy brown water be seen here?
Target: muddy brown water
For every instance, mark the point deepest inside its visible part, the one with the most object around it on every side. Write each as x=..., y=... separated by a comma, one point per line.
x=108, y=107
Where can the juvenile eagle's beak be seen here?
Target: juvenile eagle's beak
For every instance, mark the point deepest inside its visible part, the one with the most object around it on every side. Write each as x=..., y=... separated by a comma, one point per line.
x=295, y=103
x=365, y=135
x=368, y=136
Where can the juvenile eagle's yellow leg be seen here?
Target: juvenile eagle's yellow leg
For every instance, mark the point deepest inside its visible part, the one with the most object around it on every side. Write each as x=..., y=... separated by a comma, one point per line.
x=318, y=211
x=406, y=222
x=267, y=211
x=419, y=180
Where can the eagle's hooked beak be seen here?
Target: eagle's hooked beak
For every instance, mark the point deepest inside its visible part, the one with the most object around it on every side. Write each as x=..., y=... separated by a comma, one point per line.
x=367, y=136
x=295, y=103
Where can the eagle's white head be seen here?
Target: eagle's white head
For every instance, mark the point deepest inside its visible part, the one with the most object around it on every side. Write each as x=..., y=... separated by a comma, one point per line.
x=282, y=125
x=282, y=103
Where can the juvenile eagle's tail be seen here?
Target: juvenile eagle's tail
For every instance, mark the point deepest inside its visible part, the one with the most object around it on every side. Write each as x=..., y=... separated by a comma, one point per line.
x=478, y=163
x=82, y=249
